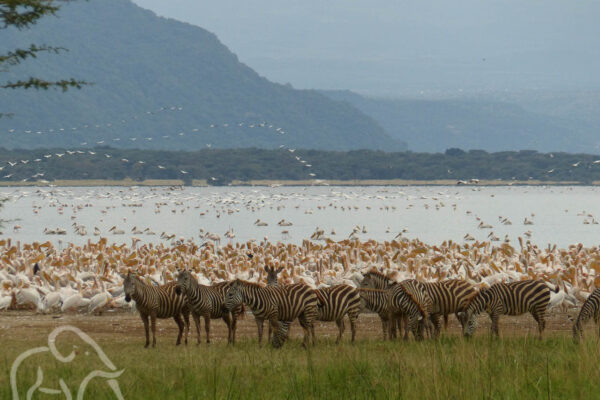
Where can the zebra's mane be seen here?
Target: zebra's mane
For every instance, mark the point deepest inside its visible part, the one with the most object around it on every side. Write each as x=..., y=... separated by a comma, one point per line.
x=411, y=297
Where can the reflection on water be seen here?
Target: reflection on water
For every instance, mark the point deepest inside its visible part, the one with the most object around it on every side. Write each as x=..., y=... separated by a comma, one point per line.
x=561, y=215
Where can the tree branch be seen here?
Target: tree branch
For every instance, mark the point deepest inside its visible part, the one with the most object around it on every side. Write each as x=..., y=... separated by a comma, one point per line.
x=36, y=83
x=16, y=56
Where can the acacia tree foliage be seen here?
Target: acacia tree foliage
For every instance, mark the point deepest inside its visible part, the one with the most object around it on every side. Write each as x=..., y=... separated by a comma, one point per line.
x=23, y=14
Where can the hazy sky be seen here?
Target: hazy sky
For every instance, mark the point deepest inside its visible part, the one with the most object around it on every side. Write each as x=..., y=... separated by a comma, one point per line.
x=395, y=47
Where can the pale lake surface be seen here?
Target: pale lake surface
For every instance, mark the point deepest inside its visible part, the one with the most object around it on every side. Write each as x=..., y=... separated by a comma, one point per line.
x=431, y=214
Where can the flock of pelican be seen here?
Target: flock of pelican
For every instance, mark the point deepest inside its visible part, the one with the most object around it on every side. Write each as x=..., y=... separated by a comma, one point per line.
x=88, y=277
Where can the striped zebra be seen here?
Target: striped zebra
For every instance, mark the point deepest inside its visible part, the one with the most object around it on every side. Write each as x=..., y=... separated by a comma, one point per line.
x=157, y=302
x=334, y=303
x=410, y=300
x=208, y=302
x=275, y=304
x=377, y=301
x=272, y=280
x=376, y=280
x=589, y=309
x=513, y=298
x=449, y=296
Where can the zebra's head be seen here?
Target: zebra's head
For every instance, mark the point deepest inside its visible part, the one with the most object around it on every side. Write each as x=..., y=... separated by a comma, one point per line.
x=577, y=329
x=184, y=282
x=234, y=296
x=476, y=306
x=272, y=274
x=375, y=280
x=129, y=286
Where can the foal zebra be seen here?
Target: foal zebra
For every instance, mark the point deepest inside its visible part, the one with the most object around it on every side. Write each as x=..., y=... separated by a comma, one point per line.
x=157, y=302
x=334, y=303
x=513, y=298
x=276, y=303
x=208, y=302
x=589, y=309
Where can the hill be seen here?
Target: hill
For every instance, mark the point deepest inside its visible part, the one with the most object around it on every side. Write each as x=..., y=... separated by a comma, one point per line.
x=480, y=123
x=139, y=62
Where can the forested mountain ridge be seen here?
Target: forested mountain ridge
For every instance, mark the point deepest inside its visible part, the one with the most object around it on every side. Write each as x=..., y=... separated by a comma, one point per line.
x=139, y=62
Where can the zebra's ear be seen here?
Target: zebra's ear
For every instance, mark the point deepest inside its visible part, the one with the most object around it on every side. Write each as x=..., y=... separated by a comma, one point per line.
x=280, y=269
x=420, y=318
x=123, y=276
x=267, y=269
x=571, y=317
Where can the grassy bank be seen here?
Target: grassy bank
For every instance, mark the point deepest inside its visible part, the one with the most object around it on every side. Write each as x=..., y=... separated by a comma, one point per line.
x=510, y=368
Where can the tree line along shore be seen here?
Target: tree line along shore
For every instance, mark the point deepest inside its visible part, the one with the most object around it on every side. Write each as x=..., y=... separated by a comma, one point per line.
x=106, y=165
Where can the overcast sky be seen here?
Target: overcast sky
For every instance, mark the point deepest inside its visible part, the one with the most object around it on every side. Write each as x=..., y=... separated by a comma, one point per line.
x=394, y=47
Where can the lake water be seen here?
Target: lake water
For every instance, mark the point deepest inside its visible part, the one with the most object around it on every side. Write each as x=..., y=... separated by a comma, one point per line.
x=432, y=214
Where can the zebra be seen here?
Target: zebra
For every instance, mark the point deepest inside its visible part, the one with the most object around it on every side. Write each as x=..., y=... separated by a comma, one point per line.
x=513, y=298
x=334, y=303
x=449, y=296
x=410, y=299
x=207, y=302
x=376, y=300
x=376, y=280
x=589, y=309
x=272, y=280
x=276, y=303
x=157, y=302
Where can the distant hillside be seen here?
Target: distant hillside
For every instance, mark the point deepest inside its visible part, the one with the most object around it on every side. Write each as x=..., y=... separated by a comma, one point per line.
x=138, y=62
x=486, y=124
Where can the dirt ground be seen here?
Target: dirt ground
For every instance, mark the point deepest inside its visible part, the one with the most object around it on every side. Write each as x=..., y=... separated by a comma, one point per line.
x=26, y=325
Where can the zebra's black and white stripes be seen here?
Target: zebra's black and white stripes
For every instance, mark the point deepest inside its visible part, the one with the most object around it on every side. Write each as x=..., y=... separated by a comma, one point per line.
x=157, y=302
x=590, y=309
x=337, y=301
x=208, y=302
x=276, y=303
x=514, y=298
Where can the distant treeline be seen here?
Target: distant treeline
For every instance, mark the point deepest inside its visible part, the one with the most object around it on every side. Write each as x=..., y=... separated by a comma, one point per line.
x=219, y=166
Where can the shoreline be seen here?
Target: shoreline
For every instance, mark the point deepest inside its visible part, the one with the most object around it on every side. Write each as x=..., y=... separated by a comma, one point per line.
x=291, y=183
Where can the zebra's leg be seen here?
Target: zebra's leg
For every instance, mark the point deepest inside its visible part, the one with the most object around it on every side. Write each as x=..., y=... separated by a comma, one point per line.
x=353, y=318
x=306, y=327
x=197, y=323
x=186, y=320
x=207, y=328
x=445, y=322
x=233, y=327
x=153, y=325
x=228, y=322
x=146, y=328
x=406, y=323
x=278, y=337
x=437, y=326
x=260, y=326
x=180, y=325
x=494, y=328
x=384, y=326
x=539, y=318
x=341, y=327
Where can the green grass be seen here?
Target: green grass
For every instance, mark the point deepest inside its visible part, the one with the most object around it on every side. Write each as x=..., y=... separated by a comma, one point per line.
x=482, y=368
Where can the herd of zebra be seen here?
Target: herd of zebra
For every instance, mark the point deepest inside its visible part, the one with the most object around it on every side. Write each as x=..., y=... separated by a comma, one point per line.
x=415, y=306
